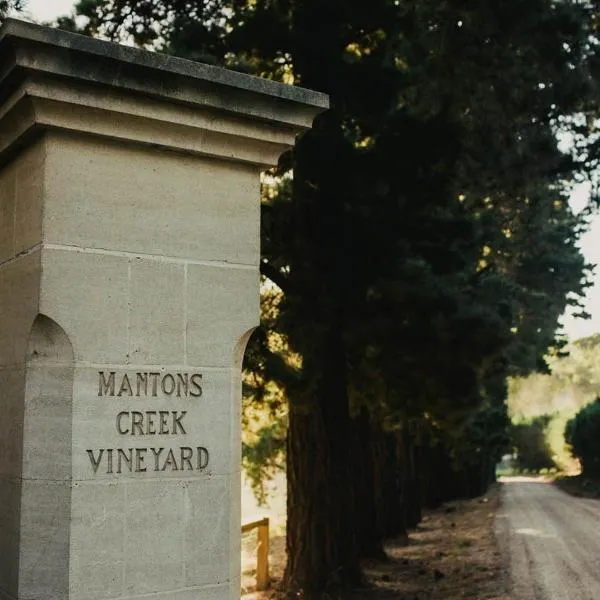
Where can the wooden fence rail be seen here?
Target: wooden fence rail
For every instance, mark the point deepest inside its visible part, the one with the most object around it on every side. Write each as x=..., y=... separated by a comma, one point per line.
x=262, y=552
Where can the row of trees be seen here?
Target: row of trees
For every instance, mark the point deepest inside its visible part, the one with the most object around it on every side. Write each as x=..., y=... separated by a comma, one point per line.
x=418, y=241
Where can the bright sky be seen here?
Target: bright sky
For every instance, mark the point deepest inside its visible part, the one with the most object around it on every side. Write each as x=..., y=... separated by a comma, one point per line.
x=590, y=245
x=45, y=10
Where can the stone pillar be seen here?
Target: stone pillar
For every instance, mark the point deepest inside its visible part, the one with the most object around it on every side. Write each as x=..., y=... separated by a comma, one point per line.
x=129, y=273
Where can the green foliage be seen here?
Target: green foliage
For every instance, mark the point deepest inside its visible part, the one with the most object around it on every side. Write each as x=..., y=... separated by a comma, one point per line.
x=263, y=458
x=583, y=434
x=264, y=414
x=529, y=439
x=485, y=434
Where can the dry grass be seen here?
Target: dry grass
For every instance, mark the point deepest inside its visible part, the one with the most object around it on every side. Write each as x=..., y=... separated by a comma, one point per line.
x=452, y=555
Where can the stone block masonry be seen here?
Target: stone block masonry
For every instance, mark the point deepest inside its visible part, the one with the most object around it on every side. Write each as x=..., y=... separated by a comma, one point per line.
x=129, y=272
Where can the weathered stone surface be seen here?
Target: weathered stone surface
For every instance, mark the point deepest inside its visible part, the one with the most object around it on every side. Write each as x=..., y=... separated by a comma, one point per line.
x=28, y=202
x=215, y=324
x=176, y=207
x=86, y=293
x=129, y=272
x=7, y=213
x=19, y=304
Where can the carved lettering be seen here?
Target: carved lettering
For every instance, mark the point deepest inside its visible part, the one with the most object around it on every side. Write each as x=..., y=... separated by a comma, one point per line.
x=137, y=421
x=150, y=424
x=133, y=460
x=154, y=377
x=143, y=423
x=141, y=379
x=126, y=457
x=146, y=384
x=195, y=380
x=183, y=385
x=177, y=422
x=157, y=452
x=119, y=423
x=164, y=421
x=95, y=461
x=140, y=455
x=125, y=386
x=168, y=384
x=203, y=458
x=109, y=460
x=186, y=458
x=106, y=387
x=170, y=461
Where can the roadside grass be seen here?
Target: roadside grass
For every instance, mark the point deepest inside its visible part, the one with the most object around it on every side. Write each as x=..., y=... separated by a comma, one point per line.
x=579, y=485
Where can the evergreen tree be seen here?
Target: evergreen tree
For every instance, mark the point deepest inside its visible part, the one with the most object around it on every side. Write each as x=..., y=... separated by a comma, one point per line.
x=530, y=443
x=583, y=434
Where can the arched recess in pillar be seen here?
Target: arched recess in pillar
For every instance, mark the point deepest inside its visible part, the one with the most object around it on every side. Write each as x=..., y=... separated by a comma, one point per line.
x=236, y=397
x=235, y=565
x=47, y=463
x=240, y=348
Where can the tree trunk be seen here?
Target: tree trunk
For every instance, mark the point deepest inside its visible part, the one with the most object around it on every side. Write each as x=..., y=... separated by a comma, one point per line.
x=433, y=472
x=493, y=474
x=411, y=481
x=391, y=513
x=321, y=542
x=368, y=530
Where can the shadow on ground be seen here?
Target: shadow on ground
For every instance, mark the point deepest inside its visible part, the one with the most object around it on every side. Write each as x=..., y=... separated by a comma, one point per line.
x=452, y=555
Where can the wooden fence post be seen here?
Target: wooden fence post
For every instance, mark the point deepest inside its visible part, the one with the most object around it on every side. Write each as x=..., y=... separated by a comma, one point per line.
x=262, y=557
x=262, y=552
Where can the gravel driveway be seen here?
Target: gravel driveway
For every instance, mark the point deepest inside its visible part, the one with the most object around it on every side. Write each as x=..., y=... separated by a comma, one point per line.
x=551, y=541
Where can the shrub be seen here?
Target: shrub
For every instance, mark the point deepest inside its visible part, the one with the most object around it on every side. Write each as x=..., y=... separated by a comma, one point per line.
x=530, y=442
x=583, y=434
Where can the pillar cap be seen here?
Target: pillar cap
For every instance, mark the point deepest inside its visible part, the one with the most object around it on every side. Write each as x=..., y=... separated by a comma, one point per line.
x=71, y=81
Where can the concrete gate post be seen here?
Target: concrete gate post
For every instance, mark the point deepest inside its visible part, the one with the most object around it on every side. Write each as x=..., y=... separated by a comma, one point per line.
x=129, y=273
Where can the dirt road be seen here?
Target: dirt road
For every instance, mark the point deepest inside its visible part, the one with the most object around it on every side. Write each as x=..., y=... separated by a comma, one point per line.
x=552, y=541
